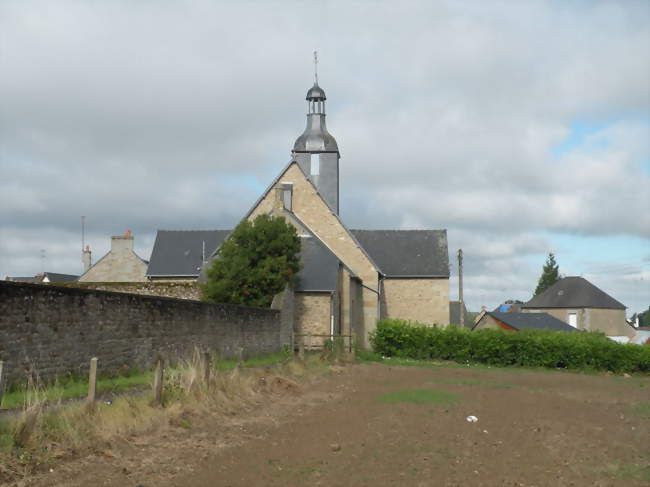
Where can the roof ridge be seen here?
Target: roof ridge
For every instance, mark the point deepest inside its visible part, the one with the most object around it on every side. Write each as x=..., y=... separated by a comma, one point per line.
x=398, y=230
x=195, y=230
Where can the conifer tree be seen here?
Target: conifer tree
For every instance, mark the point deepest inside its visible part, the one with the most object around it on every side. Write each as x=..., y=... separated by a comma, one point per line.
x=256, y=262
x=550, y=275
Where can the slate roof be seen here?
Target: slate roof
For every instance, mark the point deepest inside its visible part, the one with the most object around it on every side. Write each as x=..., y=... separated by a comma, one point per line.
x=398, y=253
x=573, y=292
x=51, y=276
x=532, y=321
x=56, y=277
x=320, y=267
x=407, y=253
x=179, y=253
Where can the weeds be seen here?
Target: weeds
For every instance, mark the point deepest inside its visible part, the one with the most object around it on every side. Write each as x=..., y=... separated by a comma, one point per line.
x=47, y=429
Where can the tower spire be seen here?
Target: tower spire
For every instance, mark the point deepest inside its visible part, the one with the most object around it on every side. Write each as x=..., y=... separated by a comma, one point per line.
x=316, y=67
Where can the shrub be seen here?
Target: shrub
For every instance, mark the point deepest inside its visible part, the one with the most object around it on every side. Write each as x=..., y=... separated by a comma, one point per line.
x=529, y=348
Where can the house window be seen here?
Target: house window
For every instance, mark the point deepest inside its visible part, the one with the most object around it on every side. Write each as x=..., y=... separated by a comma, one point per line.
x=573, y=319
x=287, y=195
x=315, y=165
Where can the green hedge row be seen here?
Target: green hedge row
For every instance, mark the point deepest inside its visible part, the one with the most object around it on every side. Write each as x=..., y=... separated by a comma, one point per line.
x=529, y=348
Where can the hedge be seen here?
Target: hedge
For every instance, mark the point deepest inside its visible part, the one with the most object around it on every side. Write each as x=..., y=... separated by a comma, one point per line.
x=528, y=348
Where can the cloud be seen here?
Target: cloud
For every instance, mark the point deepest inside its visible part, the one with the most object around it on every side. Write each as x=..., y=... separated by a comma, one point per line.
x=155, y=115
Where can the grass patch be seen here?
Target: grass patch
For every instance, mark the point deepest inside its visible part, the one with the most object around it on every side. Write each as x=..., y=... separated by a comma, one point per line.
x=75, y=388
x=418, y=396
x=78, y=387
x=474, y=382
x=253, y=362
x=642, y=409
x=628, y=471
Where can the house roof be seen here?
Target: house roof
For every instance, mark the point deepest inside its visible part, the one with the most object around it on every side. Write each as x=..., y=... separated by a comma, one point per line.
x=56, y=277
x=573, y=292
x=179, y=253
x=454, y=314
x=51, y=276
x=407, y=253
x=319, y=266
x=532, y=321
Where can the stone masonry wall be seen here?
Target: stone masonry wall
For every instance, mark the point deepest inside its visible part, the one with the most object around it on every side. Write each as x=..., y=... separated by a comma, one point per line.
x=423, y=300
x=52, y=331
x=180, y=290
x=313, y=312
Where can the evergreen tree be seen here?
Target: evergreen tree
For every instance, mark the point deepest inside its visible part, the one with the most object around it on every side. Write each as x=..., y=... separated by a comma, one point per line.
x=550, y=275
x=257, y=261
x=644, y=318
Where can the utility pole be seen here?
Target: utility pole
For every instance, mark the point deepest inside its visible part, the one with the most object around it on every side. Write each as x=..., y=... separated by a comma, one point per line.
x=460, y=288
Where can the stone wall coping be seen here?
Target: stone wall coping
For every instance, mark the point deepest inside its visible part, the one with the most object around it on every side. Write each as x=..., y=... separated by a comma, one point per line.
x=145, y=297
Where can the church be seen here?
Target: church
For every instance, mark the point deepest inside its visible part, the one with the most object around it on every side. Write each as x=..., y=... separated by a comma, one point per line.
x=349, y=279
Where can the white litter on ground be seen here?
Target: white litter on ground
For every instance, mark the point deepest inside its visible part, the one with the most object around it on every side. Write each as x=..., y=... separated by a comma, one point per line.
x=472, y=419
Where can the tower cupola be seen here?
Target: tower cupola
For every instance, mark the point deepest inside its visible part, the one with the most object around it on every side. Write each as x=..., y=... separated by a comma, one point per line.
x=315, y=138
x=316, y=150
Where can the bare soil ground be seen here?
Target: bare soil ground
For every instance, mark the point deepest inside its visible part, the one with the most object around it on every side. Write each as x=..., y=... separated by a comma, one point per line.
x=533, y=429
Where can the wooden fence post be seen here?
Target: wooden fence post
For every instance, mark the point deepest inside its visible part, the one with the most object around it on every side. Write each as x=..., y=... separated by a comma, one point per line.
x=92, y=381
x=207, y=363
x=1, y=381
x=158, y=381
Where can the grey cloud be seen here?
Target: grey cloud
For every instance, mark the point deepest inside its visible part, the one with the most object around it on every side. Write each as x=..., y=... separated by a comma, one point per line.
x=154, y=115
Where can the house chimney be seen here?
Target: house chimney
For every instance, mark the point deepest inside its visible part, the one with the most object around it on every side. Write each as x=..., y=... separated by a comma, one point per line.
x=86, y=258
x=122, y=243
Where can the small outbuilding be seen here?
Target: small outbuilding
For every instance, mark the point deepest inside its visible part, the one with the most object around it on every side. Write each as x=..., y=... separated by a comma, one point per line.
x=521, y=321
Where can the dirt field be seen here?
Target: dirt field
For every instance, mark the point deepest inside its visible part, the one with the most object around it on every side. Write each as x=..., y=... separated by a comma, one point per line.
x=352, y=428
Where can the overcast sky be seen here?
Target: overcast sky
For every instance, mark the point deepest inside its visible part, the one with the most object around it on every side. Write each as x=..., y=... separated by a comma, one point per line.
x=520, y=127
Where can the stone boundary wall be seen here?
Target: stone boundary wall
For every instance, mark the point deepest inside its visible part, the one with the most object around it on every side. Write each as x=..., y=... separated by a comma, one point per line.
x=49, y=331
x=181, y=290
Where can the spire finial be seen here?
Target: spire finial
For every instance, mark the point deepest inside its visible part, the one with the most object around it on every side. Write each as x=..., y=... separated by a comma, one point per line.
x=315, y=67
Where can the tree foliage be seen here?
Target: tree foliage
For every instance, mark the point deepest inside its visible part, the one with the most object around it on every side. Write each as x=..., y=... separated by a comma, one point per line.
x=550, y=275
x=257, y=261
x=644, y=317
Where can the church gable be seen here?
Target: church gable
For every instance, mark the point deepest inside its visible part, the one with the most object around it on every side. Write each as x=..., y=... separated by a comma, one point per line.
x=302, y=199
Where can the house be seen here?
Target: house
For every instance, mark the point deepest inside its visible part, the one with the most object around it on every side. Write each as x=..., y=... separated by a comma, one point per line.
x=350, y=278
x=582, y=305
x=120, y=264
x=45, y=277
x=521, y=321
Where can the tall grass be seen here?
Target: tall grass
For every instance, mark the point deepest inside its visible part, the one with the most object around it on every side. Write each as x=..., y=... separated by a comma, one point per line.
x=45, y=431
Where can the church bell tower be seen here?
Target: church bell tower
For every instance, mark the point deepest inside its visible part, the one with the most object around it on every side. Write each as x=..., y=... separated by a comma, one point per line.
x=315, y=150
